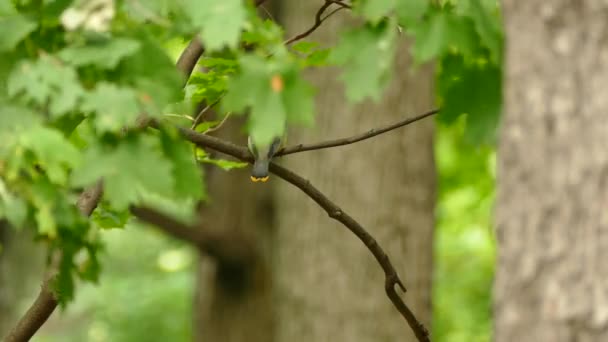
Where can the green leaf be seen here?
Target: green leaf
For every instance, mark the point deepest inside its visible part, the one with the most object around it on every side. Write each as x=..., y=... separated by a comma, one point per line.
x=14, y=119
x=105, y=55
x=128, y=170
x=153, y=73
x=410, y=11
x=53, y=150
x=14, y=29
x=367, y=56
x=47, y=79
x=375, y=10
x=442, y=33
x=115, y=106
x=64, y=281
x=107, y=218
x=13, y=208
x=474, y=90
x=90, y=268
x=187, y=174
x=485, y=15
x=220, y=20
x=252, y=88
x=298, y=97
x=305, y=47
x=226, y=165
x=45, y=221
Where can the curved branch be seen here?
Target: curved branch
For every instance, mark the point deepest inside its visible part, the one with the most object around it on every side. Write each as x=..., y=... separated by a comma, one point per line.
x=319, y=19
x=46, y=302
x=189, y=57
x=36, y=315
x=355, y=138
x=334, y=211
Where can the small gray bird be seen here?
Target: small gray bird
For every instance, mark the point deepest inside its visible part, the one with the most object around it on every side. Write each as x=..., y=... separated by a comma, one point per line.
x=262, y=156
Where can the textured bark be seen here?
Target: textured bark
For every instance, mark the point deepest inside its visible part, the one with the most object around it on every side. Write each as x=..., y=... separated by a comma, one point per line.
x=552, y=216
x=234, y=303
x=21, y=264
x=327, y=285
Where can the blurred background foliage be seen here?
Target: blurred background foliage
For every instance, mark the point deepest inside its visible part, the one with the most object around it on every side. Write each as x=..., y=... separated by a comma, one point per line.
x=464, y=240
x=145, y=293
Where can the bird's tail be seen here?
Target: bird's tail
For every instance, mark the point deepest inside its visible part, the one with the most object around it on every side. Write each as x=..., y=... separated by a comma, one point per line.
x=259, y=172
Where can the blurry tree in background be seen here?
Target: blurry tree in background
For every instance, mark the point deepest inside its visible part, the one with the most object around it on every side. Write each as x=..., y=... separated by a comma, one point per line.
x=552, y=217
x=327, y=293
x=236, y=304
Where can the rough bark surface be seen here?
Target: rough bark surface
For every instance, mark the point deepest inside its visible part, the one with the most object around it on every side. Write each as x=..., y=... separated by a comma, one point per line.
x=328, y=287
x=234, y=304
x=552, y=216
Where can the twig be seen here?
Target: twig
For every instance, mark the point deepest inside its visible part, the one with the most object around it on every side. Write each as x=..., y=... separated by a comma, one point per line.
x=200, y=115
x=341, y=4
x=219, y=125
x=319, y=19
x=391, y=277
x=224, y=247
x=355, y=138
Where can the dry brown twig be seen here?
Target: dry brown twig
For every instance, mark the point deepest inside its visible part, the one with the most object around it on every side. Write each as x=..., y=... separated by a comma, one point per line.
x=319, y=19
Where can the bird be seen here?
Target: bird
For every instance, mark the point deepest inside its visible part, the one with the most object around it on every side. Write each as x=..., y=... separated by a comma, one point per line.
x=262, y=156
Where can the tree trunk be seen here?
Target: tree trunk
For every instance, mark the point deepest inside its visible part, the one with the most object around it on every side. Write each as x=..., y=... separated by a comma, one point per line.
x=552, y=214
x=234, y=304
x=327, y=284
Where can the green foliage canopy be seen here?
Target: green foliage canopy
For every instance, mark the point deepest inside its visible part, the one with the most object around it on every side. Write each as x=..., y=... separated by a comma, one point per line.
x=75, y=76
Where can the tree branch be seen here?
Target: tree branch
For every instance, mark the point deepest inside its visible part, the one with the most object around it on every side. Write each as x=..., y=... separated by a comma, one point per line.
x=224, y=247
x=46, y=302
x=36, y=315
x=334, y=211
x=189, y=57
x=355, y=138
x=319, y=19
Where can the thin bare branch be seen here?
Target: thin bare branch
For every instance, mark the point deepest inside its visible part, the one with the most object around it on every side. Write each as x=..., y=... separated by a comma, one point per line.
x=201, y=114
x=334, y=211
x=355, y=138
x=319, y=19
x=341, y=4
x=219, y=125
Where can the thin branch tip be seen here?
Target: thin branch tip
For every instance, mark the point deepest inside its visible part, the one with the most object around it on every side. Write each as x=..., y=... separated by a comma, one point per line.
x=355, y=138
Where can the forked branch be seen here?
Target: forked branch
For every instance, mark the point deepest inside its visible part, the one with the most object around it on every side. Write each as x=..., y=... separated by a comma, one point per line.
x=319, y=19
x=333, y=210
